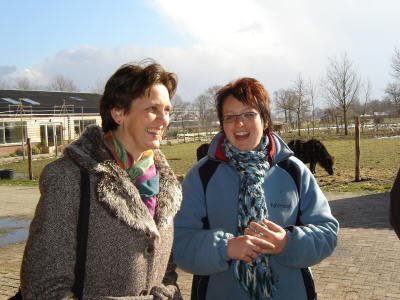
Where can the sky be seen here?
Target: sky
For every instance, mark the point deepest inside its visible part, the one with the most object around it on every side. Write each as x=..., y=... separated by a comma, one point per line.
x=206, y=43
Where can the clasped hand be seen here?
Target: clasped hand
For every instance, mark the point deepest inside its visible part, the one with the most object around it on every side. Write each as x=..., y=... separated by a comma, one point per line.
x=268, y=238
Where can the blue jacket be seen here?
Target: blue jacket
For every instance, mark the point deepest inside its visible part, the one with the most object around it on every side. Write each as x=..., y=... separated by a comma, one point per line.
x=303, y=210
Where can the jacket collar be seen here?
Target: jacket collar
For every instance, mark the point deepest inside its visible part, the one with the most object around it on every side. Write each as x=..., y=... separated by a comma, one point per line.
x=114, y=189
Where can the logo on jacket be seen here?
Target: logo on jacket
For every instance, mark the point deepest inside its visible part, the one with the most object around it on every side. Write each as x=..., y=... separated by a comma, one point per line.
x=280, y=205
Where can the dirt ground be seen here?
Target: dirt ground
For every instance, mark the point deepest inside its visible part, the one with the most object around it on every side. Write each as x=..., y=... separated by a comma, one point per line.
x=18, y=201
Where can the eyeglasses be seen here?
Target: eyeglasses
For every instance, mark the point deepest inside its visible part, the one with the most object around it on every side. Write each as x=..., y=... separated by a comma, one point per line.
x=244, y=117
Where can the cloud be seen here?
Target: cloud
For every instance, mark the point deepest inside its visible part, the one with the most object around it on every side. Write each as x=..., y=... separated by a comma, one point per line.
x=284, y=38
x=34, y=77
x=256, y=26
x=5, y=70
x=198, y=67
x=272, y=41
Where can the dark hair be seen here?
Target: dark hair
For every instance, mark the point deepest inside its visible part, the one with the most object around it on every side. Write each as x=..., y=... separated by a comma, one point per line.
x=129, y=82
x=250, y=92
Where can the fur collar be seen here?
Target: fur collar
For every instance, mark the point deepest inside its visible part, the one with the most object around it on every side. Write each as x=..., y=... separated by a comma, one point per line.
x=115, y=191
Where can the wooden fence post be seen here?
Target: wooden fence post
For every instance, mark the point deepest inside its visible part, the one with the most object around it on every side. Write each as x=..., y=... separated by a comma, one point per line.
x=56, y=144
x=357, y=147
x=28, y=142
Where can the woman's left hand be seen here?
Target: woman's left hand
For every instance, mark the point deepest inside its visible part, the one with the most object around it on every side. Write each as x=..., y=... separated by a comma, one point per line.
x=270, y=232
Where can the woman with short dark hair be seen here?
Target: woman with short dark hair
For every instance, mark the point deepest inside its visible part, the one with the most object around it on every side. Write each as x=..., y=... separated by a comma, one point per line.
x=133, y=198
x=253, y=218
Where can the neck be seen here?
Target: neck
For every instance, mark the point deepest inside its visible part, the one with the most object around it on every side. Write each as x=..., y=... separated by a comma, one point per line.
x=136, y=155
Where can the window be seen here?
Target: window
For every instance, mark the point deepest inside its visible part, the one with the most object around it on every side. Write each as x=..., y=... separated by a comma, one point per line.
x=50, y=133
x=80, y=125
x=12, y=132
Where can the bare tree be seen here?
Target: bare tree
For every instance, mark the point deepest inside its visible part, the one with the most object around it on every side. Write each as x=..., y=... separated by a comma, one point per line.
x=330, y=116
x=179, y=108
x=204, y=104
x=392, y=92
x=23, y=83
x=367, y=95
x=301, y=103
x=396, y=63
x=62, y=83
x=98, y=87
x=342, y=85
x=3, y=85
x=285, y=101
x=211, y=94
x=312, y=93
x=201, y=106
x=180, y=113
x=384, y=104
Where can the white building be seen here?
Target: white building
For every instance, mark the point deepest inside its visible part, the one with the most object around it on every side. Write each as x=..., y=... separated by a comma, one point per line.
x=46, y=118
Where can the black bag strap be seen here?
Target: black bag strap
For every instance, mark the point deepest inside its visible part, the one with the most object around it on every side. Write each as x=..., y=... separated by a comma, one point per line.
x=206, y=171
x=295, y=172
x=200, y=282
x=82, y=234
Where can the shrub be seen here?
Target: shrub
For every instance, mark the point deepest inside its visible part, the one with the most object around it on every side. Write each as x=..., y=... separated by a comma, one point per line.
x=35, y=150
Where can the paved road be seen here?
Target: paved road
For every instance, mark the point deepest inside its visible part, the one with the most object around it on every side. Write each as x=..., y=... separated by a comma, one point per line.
x=365, y=265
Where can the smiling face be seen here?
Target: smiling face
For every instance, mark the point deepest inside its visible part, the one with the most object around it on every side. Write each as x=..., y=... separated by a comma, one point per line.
x=142, y=127
x=245, y=134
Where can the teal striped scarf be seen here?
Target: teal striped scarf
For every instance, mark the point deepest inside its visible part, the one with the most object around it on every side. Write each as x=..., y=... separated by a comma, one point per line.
x=255, y=277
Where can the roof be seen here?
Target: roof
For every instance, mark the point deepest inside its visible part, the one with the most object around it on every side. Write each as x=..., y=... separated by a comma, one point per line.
x=47, y=103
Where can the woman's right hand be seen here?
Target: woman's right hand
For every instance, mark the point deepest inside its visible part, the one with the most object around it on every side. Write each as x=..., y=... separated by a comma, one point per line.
x=246, y=247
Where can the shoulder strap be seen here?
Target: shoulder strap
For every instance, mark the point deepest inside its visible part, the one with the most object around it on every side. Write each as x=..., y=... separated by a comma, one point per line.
x=206, y=171
x=295, y=172
x=200, y=282
x=82, y=234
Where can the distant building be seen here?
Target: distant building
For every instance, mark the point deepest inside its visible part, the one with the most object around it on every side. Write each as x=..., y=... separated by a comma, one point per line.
x=47, y=118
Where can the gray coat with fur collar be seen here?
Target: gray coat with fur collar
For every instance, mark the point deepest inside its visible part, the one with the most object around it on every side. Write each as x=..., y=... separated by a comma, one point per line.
x=127, y=250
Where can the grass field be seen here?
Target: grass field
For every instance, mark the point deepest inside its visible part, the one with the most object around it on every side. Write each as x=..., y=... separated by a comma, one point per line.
x=380, y=160
x=379, y=163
